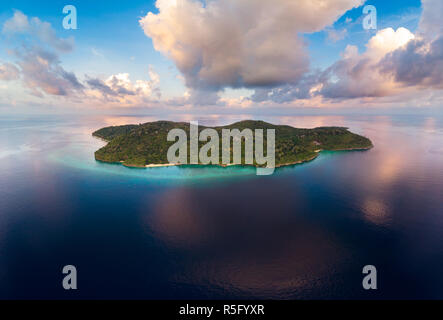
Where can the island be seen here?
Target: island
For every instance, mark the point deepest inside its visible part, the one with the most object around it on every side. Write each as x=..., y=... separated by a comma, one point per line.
x=146, y=145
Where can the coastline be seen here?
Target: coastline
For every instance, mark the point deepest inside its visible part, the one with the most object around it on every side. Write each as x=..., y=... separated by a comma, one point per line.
x=160, y=165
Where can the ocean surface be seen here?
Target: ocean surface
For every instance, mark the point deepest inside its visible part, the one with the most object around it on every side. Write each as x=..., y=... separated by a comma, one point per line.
x=306, y=232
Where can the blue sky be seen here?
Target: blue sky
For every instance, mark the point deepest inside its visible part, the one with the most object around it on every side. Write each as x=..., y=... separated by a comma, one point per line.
x=110, y=41
x=110, y=28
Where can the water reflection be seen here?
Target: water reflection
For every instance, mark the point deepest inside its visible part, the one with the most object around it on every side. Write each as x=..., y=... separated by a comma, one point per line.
x=376, y=211
x=304, y=232
x=251, y=245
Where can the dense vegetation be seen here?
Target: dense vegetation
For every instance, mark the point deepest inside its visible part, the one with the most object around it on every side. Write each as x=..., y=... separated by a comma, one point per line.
x=140, y=145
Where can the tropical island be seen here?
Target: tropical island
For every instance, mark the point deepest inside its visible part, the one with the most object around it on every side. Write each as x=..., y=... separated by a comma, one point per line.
x=146, y=145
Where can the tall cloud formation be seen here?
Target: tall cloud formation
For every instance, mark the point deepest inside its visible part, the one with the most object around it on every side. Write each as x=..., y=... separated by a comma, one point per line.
x=420, y=63
x=355, y=75
x=239, y=43
x=394, y=61
x=358, y=75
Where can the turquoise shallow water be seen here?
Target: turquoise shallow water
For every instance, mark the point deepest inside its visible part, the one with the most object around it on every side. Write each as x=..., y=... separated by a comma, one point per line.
x=78, y=155
x=211, y=232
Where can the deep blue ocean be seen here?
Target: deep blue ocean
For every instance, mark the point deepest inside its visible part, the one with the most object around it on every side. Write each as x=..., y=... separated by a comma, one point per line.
x=210, y=233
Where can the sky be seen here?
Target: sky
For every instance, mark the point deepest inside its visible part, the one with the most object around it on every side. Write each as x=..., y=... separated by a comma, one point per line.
x=220, y=56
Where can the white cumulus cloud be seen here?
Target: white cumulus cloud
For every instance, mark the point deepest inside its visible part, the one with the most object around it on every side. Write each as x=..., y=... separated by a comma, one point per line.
x=239, y=43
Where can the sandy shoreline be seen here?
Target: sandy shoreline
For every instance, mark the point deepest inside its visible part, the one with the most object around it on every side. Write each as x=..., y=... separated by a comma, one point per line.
x=161, y=165
x=224, y=165
x=186, y=164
